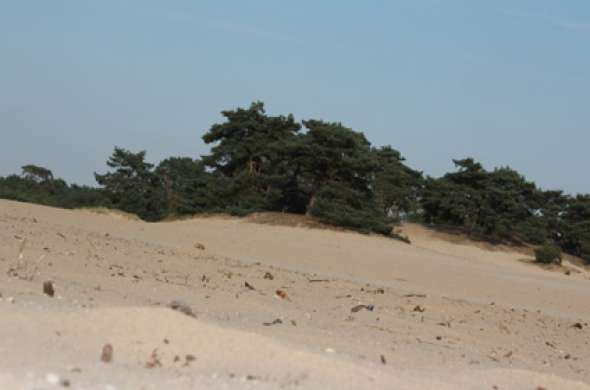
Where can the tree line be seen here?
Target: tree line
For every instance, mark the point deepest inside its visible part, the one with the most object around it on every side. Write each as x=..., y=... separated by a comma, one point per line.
x=258, y=162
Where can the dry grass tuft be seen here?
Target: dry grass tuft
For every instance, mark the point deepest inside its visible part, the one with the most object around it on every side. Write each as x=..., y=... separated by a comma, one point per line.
x=112, y=212
x=287, y=219
x=24, y=269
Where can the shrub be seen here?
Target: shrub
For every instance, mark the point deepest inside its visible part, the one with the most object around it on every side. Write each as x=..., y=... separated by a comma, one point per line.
x=548, y=254
x=341, y=206
x=240, y=211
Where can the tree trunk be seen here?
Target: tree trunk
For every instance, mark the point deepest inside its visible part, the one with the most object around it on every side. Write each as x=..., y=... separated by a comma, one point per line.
x=310, y=205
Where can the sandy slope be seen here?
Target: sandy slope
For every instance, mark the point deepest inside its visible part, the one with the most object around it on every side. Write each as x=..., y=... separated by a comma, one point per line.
x=475, y=318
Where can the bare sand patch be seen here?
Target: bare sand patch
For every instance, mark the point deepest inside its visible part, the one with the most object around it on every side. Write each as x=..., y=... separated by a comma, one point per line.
x=443, y=314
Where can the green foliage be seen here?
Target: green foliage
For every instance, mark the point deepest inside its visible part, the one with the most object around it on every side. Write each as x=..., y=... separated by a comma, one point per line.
x=37, y=185
x=248, y=141
x=264, y=163
x=397, y=186
x=339, y=205
x=133, y=186
x=548, y=254
x=185, y=184
x=497, y=205
x=37, y=174
x=250, y=150
x=260, y=162
x=330, y=152
x=336, y=170
x=575, y=226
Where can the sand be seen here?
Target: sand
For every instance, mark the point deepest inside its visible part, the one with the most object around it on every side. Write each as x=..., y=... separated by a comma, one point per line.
x=447, y=313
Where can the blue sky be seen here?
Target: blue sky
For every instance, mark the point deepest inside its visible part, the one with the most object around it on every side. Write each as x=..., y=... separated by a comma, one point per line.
x=506, y=81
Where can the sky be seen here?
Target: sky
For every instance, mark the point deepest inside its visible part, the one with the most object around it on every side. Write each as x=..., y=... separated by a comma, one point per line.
x=506, y=82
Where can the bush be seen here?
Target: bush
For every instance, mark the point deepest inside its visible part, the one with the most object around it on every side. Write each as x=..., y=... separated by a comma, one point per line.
x=548, y=254
x=240, y=211
x=341, y=206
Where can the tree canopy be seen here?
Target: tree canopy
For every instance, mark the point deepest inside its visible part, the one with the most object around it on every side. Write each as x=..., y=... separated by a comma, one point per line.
x=248, y=157
x=133, y=186
x=37, y=184
x=36, y=173
x=261, y=162
x=497, y=205
x=397, y=186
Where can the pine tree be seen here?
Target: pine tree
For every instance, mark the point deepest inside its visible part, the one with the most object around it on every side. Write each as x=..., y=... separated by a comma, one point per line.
x=133, y=186
x=249, y=157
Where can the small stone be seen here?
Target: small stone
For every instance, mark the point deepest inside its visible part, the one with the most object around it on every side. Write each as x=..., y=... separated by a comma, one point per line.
x=182, y=307
x=578, y=325
x=281, y=294
x=107, y=353
x=278, y=321
x=188, y=359
x=419, y=309
x=154, y=360
x=415, y=295
x=358, y=308
x=48, y=288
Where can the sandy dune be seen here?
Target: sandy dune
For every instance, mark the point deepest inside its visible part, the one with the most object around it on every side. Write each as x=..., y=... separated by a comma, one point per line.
x=446, y=313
